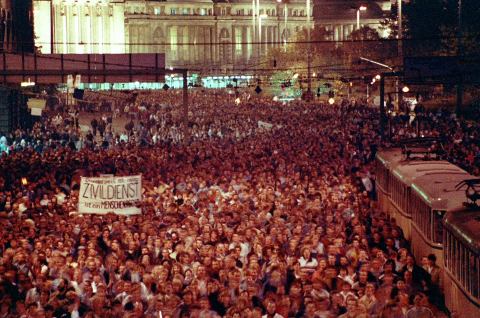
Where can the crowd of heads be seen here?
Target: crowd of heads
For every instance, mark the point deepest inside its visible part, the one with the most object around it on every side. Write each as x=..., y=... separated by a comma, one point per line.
x=249, y=209
x=459, y=138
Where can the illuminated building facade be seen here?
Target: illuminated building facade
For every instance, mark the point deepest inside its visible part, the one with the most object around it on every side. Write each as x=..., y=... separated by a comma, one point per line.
x=198, y=34
x=6, y=34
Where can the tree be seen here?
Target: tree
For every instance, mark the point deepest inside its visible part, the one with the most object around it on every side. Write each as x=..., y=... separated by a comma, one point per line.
x=295, y=55
x=390, y=22
x=362, y=42
x=22, y=26
x=425, y=21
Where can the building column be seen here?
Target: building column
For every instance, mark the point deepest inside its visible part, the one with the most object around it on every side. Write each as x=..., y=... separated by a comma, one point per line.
x=244, y=40
x=233, y=50
x=217, y=44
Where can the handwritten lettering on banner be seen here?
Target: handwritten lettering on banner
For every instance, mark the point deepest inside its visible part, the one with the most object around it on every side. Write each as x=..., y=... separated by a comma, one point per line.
x=108, y=194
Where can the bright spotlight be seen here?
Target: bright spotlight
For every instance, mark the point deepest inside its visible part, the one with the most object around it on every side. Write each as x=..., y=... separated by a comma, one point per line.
x=331, y=101
x=405, y=89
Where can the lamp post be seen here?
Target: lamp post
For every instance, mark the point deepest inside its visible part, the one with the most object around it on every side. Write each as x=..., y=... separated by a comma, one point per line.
x=361, y=8
x=285, y=19
x=260, y=17
x=259, y=41
x=254, y=17
x=309, y=62
x=400, y=27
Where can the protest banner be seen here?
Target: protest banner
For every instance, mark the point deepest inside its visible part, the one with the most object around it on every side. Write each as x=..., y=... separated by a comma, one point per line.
x=108, y=194
x=264, y=125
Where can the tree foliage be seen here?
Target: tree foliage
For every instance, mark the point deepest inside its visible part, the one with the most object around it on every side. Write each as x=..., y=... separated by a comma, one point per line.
x=23, y=27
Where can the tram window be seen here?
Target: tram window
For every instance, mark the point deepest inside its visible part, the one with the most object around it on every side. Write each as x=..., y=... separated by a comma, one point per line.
x=448, y=242
x=468, y=278
x=461, y=264
x=428, y=221
x=465, y=265
x=455, y=259
x=465, y=268
x=476, y=277
x=446, y=249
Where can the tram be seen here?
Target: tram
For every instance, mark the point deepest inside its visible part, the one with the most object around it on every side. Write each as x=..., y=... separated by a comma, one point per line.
x=423, y=195
x=461, y=242
x=432, y=196
x=386, y=160
x=395, y=174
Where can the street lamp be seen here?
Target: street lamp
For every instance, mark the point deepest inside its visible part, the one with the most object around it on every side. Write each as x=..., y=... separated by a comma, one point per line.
x=405, y=89
x=285, y=19
x=309, y=62
x=260, y=17
x=361, y=8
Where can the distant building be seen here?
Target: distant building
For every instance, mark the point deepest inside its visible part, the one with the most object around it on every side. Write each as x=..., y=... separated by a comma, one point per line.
x=340, y=16
x=199, y=34
x=6, y=35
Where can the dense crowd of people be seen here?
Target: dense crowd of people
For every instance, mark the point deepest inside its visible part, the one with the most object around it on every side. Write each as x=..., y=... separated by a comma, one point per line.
x=459, y=138
x=250, y=209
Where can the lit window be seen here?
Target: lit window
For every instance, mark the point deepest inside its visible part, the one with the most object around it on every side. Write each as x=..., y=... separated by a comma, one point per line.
x=173, y=11
x=185, y=11
x=203, y=11
x=156, y=11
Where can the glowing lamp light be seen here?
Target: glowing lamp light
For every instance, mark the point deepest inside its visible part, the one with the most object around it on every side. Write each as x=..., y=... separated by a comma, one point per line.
x=362, y=8
x=295, y=76
x=405, y=89
x=378, y=77
x=28, y=83
x=237, y=101
x=331, y=101
x=24, y=181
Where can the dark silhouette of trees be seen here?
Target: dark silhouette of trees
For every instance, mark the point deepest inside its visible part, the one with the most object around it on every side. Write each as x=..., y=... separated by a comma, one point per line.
x=23, y=35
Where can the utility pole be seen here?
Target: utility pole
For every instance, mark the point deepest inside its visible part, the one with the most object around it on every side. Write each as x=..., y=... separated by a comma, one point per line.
x=459, y=105
x=309, y=62
x=400, y=50
x=383, y=114
x=185, y=105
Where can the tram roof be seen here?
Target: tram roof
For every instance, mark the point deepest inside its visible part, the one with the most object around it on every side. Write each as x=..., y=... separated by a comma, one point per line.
x=438, y=189
x=408, y=171
x=390, y=157
x=465, y=226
